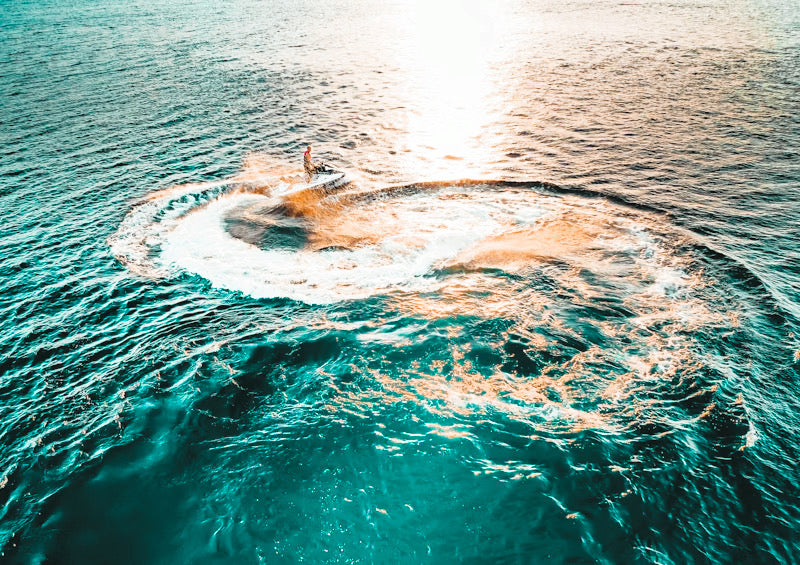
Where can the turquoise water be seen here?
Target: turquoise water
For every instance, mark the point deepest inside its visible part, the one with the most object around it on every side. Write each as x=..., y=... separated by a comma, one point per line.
x=554, y=318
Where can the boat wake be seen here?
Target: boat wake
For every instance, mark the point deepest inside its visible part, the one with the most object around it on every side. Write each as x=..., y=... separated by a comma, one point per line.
x=602, y=308
x=268, y=242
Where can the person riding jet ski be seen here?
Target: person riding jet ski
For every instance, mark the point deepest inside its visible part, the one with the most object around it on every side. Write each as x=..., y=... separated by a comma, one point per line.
x=308, y=164
x=310, y=168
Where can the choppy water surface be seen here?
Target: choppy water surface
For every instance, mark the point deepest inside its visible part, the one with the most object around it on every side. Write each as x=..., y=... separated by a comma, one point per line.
x=553, y=318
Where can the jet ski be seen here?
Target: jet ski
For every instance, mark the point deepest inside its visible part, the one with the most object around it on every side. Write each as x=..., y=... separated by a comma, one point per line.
x=324, y=179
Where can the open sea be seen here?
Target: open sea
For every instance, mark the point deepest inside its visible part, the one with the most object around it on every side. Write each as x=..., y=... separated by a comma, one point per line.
x=554, y=318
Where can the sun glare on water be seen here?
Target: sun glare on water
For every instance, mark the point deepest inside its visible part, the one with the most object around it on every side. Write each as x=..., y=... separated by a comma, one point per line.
x=451, y=47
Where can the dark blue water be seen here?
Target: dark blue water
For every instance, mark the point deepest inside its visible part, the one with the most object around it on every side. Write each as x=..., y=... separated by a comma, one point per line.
x=587, y=352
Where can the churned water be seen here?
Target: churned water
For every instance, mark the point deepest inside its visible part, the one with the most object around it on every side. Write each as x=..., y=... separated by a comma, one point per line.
x=554, y=317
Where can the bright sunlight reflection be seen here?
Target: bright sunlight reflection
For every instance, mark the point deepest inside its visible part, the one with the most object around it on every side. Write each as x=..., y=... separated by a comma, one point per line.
x=453, y=42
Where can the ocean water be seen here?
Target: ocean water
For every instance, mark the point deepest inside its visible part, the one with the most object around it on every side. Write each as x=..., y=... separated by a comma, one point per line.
x=553, y=319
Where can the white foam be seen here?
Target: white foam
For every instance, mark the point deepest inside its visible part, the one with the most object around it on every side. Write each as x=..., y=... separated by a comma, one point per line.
x=199, y=244
x=751, y=437
x=143, y=228
x=183, y=230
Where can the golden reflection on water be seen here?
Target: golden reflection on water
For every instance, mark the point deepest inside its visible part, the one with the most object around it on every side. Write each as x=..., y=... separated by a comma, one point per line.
x=589, y=389
x=584, y=253
x=449, y=55
x=457, y=387
x=557, y=237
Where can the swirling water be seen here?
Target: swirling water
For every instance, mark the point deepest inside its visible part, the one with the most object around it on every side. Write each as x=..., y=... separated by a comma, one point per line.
x=553, y=319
